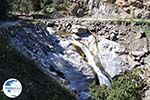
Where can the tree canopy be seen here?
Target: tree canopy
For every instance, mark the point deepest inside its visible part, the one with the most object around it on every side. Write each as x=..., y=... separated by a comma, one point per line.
x=127, y=86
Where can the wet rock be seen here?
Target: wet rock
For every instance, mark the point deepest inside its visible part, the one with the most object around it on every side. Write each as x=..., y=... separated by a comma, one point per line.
x=75, y=36
x=105, y=56
x=75, y=28
x=84, y=95
x=51, y=30
x=90, y=60
x=51, y=24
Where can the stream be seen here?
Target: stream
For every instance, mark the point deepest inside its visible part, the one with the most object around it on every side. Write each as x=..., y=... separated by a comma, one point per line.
x=70, y=60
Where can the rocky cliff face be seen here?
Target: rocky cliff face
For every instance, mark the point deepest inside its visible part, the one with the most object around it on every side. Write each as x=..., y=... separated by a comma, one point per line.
x=35, y=83
x=79, y=52
x=115, y=8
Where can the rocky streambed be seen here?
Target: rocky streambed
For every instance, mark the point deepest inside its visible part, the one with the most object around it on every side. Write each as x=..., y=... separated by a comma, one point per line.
x=77, y=53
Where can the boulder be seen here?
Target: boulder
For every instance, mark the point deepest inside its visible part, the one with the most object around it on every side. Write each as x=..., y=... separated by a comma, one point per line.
x=80, y=12
x=76, y=10
x=83, y=95
x=113, y=36
x=91, y=28
x=140, y=34
x=110, y=60
x=51, y=24
x=138, y=13
x=132, y=62
x=121, y=3
x=139, y=42
x=147, y=95
x=147, y=60
x=79, y=30
x=138, y=53
x=51, y=30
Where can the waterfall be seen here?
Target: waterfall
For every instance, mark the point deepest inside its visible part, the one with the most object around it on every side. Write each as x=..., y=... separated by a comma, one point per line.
x=91, y=61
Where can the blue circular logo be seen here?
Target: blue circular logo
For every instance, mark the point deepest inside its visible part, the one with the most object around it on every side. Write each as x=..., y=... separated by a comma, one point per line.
x=12, y=88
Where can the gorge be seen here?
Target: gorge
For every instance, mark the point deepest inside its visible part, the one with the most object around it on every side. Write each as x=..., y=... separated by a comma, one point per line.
x=93, y=50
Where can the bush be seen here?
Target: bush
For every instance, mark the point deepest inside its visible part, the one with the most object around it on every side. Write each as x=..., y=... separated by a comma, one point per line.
x=22, y=6
x=4, y=8
x=127, y=86
x=36, y=5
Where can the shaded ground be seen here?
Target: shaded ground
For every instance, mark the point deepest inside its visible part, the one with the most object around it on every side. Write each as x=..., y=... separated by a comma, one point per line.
x=36, y=85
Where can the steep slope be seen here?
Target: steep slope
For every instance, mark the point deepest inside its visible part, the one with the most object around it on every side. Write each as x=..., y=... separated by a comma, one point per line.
x=36, y=85
x=64, y=49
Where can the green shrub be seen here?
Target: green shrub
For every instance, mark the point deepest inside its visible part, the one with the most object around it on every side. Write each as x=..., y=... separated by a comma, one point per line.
x=36, y=5
x=127, y=86
x=22, y=6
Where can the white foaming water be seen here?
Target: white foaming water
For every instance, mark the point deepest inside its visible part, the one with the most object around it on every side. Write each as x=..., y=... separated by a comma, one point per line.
x=90, y=58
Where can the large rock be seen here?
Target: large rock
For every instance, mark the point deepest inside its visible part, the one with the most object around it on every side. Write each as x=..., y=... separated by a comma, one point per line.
x=108, y=53
x=80, y=12
x=80, y=30
x=147, y=60
x=121, y=2
x=112, y=62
